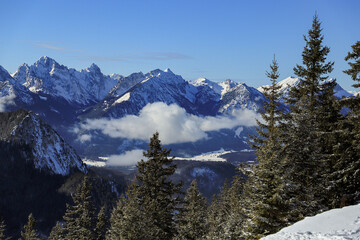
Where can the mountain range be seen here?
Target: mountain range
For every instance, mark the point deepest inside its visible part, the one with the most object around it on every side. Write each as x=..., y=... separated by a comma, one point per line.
x=52, y=117
x=66, y=98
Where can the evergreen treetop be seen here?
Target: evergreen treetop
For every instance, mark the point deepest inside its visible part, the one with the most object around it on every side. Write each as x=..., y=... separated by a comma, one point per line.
x=2, y=230
x=192, y=218
x=30, y=229
x=79, y=218
x=315, y=67
x=354, y=70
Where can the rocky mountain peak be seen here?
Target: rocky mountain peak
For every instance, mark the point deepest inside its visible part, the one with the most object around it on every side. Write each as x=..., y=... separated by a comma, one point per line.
x=49, y=152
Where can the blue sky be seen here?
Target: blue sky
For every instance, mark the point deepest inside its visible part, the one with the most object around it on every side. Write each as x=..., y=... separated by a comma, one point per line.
x=198, y=38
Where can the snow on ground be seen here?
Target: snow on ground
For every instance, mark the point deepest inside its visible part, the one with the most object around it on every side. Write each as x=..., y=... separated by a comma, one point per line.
x=210, y=156
x=341, y=223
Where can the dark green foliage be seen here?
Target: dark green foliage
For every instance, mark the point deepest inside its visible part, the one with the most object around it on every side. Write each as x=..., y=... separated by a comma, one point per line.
x=116, y=218
x=2, y=230
x=25, y=189
x=128, y=220
x=314, y=66
x=192, y=218
x=306, y=127
x=57, y=232
x=354, y=70
x=79, y=218
x=149, y=208
x=30, y=232
x=267, y=206
x=226, y=212
x=102, y=224
x=158, y=196
x=345, y=175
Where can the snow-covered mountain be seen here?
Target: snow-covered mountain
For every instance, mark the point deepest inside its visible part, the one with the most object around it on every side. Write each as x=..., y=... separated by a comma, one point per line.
x=132, y=93
x=341, y=223
x=48, y=151
x=289, y=82
x=200, y=97
x=11, y=89
x=83, y=87
x=64, y=97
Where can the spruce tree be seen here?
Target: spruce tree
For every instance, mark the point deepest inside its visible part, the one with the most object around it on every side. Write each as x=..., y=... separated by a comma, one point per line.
x=149, y=208
x=303, y=147
x=264, y=190
x=192, y=219
x=225, y=213
x=345, y=176
x=30, y=232
x=354, y=70
x=57, y=232
x=158, y=195
x=2, y=230
x=116, y=217
x=234, y=223
x=102, y=224
x=218, y=210
x=79, y=218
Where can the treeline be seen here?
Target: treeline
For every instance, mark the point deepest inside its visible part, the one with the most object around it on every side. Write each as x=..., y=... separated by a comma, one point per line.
x=307, y=162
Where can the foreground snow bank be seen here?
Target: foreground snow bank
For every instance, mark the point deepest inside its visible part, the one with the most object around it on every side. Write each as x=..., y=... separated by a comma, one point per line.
x=341, y=223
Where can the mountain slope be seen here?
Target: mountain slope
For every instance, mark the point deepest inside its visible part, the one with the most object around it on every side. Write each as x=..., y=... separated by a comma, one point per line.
x=49, y=152
x=10, y=89
x=155, y=86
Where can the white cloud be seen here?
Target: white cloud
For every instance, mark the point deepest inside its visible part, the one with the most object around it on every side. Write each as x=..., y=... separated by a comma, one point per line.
x=171, y=121
x=84, y=138
x=7, y=100
x=129, y=158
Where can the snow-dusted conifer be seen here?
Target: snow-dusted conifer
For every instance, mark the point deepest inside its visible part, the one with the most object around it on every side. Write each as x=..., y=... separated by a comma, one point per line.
x=57, y=232
x=304, y=153
x=192, y=219
x=79, y=218
x=102, y=224
x=264, y=190
x=158, y=195
x=345, y=175
x=30, y=232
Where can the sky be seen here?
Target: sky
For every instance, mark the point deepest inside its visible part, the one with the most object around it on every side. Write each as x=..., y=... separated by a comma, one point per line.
x=199, y=38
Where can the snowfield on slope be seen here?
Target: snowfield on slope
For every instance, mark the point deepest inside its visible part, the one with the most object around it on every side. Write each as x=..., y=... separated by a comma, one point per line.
x=340, y=223
x=210, y=156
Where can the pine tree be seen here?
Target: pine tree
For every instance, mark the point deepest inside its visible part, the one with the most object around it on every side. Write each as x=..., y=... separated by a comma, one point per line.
x=225, y=213
x=234, y=223
x=30, y=229
x=264, y=190
x=149, y=208
x=216, y=216
x=79, y=218
x=354, y=70
x=192, y=219
x=158, y=196
x=57, y=232
x=102, y=224
x=346, y=175
x=304, y=152
x=2, y=230
x=116, y=217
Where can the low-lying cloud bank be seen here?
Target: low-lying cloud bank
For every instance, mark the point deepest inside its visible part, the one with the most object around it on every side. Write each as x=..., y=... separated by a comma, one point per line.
x=6, y=101
x=129, y=158
x=171, y=121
